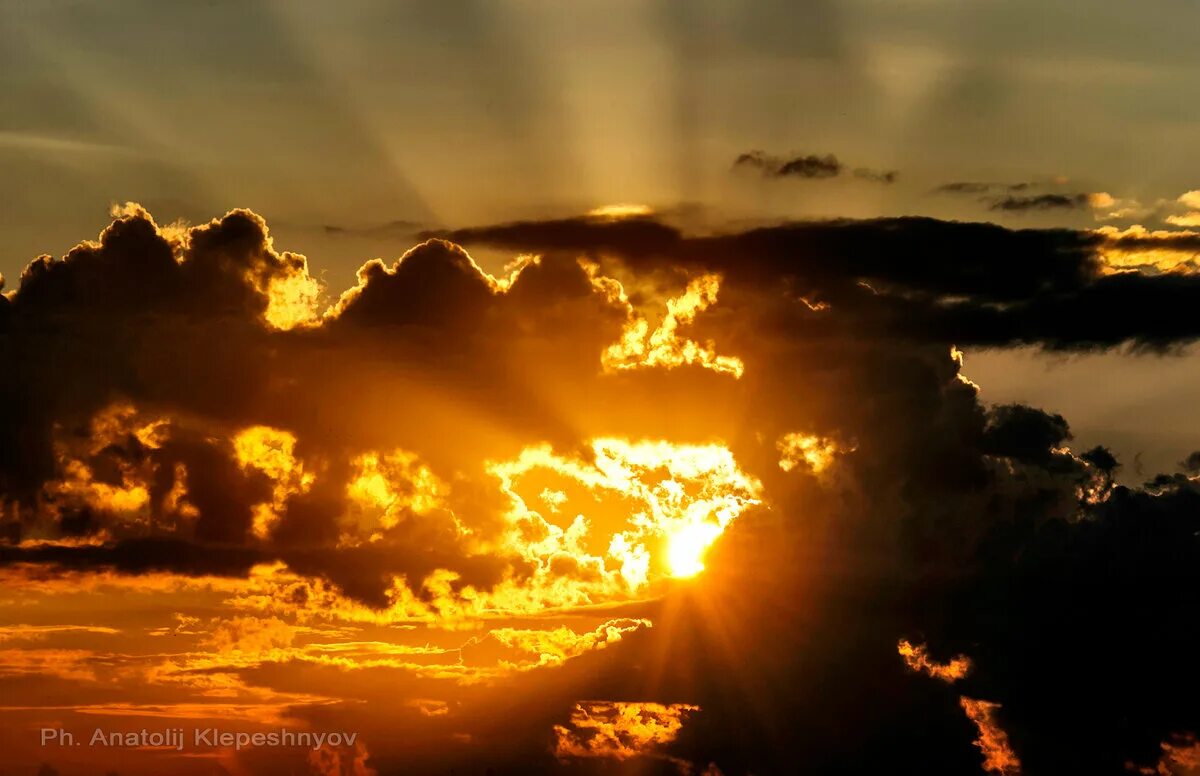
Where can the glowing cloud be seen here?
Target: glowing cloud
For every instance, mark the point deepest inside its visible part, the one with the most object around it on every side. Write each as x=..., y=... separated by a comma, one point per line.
x=1180, y=757
x=998, y=756
x=557, y=645
x=667, y=505
x=640, y=347
x=384, y=489
x=293, y=299
x=619, y=731
x=1139, y=248
x=917, y=658
x=272, y=452
x=816, y=453
x=127, y=500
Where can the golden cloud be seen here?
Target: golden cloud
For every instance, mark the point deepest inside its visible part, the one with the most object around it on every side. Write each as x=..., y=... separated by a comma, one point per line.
x=620, y=730
x=663, y=347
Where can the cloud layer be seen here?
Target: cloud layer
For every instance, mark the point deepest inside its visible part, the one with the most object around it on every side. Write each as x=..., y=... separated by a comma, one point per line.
x=743, y=467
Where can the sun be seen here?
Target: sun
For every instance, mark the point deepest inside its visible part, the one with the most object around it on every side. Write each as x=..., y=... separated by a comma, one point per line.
x=686, y=548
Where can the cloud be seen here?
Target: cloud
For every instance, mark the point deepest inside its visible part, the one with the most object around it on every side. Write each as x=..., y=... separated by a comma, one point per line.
x=815, y=453
x=386, y=462
x=808, y=166
x=876, y=176
x=619, y=730
x=1191, y=218
x=662, y=347
x=917, y=278
x=1043, y=195
x=980, y=187
x=917, y=658
x=998, y=756
x=1016, y=204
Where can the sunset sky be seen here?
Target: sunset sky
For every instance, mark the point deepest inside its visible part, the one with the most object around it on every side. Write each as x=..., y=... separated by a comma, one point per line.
x=680, y=387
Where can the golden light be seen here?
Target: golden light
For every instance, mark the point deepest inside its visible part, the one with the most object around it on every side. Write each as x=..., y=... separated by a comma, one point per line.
x=664, y=347
x=293, y=300
x=815, y=452
x=1147, y=249
x=634, y=513
x=272, y=451
x=686, y=548
x=621, y=210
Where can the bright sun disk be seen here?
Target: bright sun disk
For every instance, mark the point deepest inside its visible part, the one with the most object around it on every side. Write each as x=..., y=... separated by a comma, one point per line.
x=686, y=548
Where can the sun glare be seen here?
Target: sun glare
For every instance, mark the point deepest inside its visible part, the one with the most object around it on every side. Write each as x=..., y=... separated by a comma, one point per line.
x=687, y=546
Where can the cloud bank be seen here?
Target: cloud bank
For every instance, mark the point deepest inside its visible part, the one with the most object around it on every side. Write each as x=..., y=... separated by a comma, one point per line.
x=753, y=456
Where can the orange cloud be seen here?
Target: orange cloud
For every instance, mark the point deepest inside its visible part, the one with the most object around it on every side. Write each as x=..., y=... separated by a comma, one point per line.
x=553, y=646
x=1137, y=248
x=1180, y=756
x=917, y=658
x=76, y=665
x=998, y=756
x=619, y=730
x=670, y=503
x=814, y=452
x=272, y=451
x=250, y=635
x=38, y=632
x=383, y=490
x=640, y=347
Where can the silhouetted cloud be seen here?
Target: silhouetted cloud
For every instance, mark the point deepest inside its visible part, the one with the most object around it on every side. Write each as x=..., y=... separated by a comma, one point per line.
x=1040, y=202
x=179, y=403
x=981, y=187
x=810, y=166
x=918, y=278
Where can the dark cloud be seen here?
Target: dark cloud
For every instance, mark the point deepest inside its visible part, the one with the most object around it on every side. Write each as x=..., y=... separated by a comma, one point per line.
x=810, y=166
x=1184, y=241
x=980, y=187
x=974, y=529
x=177, y=326
x=914, y=278
x=1040, y=202
x=922, y=255
x=140, y=556
x=1020, y=197
x=877, y=176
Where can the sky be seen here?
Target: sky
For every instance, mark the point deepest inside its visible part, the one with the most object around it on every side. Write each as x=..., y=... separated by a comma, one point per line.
x=353, y=126
x=676, y=387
